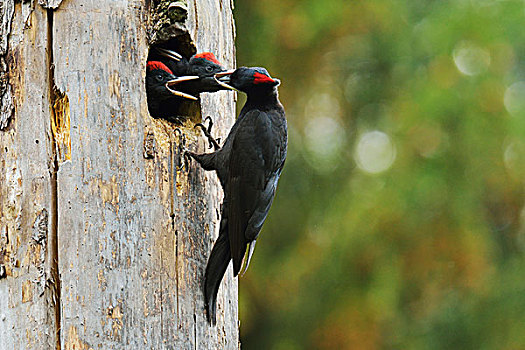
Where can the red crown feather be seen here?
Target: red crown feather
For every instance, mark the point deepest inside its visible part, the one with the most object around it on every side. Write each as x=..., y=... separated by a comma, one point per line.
x=152, y=65
x=261, y=78
x=208, y=56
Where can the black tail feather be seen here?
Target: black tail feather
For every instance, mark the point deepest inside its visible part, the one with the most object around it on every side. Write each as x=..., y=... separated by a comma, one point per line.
x=217, y=264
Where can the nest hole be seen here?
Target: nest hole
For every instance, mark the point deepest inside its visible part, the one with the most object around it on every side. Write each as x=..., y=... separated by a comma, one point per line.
x=177, y=109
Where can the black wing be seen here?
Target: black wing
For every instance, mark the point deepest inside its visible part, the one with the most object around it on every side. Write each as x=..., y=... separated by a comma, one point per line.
x=256, y=160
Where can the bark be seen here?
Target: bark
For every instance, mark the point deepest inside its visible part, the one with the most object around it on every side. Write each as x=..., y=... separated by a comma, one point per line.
x=103, y=242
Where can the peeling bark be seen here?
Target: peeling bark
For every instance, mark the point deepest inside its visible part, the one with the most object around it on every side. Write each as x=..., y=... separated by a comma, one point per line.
x=50, y=4
x=7, y=8
x=103, y=242
x=6, y=98
x=6, y=101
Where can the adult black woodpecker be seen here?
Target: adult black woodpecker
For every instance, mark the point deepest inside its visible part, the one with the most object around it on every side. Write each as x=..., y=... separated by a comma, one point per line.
x=248, y=166
x=170, y=83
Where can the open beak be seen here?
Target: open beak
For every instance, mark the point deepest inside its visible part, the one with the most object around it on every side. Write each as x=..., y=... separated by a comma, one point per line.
x=170, y=54
x=178, y=80
x=223, y=79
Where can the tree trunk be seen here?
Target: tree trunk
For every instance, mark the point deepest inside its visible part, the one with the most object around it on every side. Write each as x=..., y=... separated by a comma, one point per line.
x=103, y=242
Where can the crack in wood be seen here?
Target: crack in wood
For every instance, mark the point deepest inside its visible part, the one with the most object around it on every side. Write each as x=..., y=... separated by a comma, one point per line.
x=177, y=272
x=61, y=126
x=161, y=298
x=195, y=329
x=173, y=175
x=53, y=170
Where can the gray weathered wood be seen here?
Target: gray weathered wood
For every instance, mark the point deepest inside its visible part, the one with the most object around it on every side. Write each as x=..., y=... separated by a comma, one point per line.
x=133, y=233
x=27, y=308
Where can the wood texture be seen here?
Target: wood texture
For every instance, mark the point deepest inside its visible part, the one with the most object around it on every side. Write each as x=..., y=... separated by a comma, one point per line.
x=27, y=298
x=133, y=233
x=7, y=8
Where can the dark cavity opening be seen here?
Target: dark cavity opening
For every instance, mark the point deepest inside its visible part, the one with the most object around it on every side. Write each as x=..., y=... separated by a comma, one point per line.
x=162, y=103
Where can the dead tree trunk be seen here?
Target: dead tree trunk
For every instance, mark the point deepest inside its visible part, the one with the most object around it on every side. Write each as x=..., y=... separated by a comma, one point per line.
x=103, y=243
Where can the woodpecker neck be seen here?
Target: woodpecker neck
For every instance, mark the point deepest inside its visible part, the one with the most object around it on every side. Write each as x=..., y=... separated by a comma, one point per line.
x=263, y=97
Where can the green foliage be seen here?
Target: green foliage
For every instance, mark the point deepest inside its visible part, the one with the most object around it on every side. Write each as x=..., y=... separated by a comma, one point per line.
x=399, y=218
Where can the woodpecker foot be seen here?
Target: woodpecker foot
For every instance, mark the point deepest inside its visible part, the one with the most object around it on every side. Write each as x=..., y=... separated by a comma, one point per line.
x=207, y=132
x=183, y=156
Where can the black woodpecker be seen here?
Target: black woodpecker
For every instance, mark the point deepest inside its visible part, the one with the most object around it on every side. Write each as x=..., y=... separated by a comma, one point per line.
x=248, y=166
x=188, y=78
x=159, y=89
x=201, y=67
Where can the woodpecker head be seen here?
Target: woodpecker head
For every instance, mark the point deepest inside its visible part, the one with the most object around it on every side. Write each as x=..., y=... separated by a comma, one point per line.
x=198, y=72
x=205, y=64
x=157, y=75
x=160, y=81
x=247, y=79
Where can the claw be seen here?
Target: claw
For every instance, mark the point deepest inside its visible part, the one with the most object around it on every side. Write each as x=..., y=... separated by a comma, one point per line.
x=186, y=160
x=181, y=134
x=211, y=122
x=207, y=132
x=201, y=125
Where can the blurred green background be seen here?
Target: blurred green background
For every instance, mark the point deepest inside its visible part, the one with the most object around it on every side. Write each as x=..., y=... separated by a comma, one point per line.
x=399, y=220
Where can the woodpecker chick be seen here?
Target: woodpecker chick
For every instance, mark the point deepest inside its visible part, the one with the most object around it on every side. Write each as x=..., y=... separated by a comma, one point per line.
x=193, y=76
x=161, y=96
x=203, y=65
x=248, y=166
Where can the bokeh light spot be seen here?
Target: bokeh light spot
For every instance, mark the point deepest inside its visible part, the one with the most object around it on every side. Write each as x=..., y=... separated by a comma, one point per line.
x=471, y=59
x=514, y=98
x=324, y=139
x=375, y=152
x=322, y=104
x=514, y=157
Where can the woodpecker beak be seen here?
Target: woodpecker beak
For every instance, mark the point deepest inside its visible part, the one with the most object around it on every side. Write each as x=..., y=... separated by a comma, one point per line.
x=170, y=54
x=178, y=80
x=223, y=79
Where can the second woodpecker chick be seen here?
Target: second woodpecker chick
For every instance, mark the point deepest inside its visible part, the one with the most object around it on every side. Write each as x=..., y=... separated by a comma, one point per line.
x=203, y=65
x=200, y=67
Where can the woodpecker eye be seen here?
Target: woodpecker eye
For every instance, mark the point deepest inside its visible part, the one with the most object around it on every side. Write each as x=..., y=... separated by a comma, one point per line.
x=209, y=69
x=159, y=77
